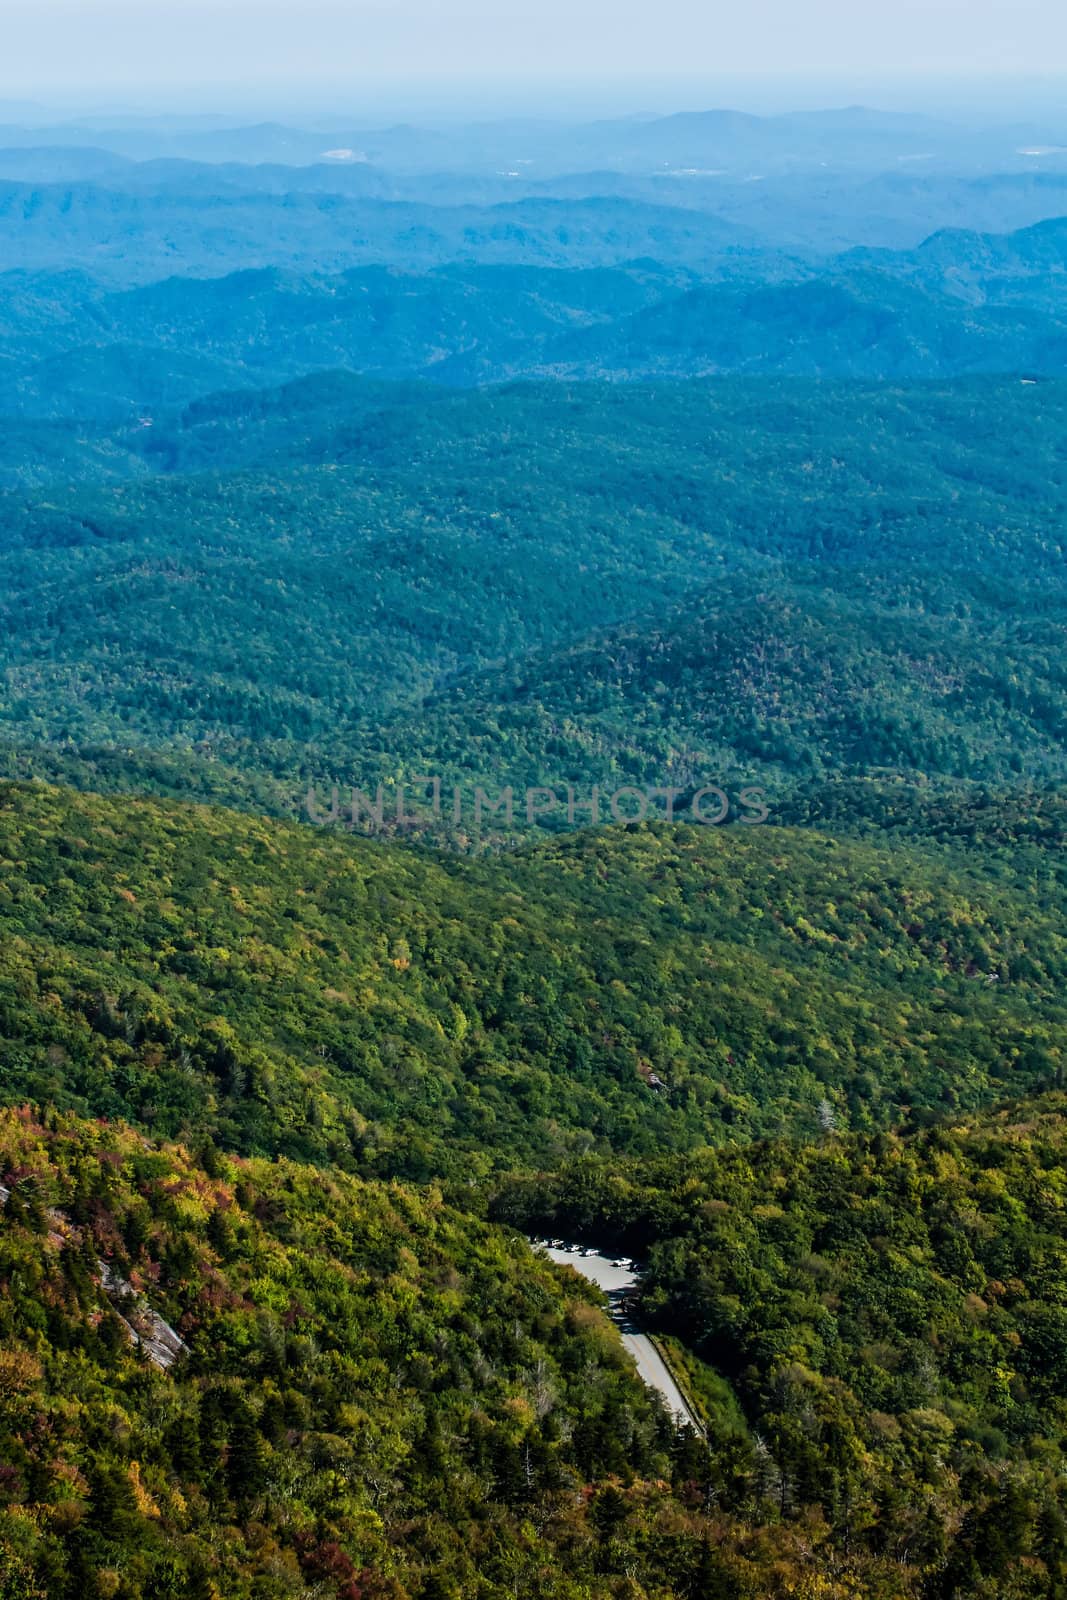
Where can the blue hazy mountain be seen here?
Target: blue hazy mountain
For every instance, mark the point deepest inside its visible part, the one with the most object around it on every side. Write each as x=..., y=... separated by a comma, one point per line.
x=137, y=236
x=653, y=453
x=133, y=218
x=961, y=303
x=848, y=138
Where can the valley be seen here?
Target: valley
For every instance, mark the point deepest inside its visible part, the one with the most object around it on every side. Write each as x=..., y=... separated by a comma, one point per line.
x=533, y=1180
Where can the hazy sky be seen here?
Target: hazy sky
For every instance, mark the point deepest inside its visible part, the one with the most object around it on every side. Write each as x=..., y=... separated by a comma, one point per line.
x=133, y=46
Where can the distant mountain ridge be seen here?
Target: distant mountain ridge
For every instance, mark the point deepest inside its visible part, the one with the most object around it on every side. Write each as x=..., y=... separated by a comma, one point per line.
x=961, y=303
x=137, y=237
x=822, y=209
x=851, y=136
x=533, y=705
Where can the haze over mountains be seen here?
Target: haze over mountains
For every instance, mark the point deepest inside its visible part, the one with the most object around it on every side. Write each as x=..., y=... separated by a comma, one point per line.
x=848, y=244
x=961, y=303
x=151, y=266
x=631, y=461
x=852, y=137
x=808, y=181
x=369, y=298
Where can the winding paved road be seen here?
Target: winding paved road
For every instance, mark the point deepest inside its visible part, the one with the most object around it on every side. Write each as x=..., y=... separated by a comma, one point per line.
x=615, y=1282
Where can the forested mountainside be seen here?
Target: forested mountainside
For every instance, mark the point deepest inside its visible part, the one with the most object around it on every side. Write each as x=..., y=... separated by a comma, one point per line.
x=379, y=1397
x=889, y=1313
x=598, y=298
x=377, y=1394
x=404, y=1013
x=714, y=456
x=727, y=582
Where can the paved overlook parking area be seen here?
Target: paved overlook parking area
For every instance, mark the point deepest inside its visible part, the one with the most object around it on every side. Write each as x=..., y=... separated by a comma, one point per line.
x=617, y=1280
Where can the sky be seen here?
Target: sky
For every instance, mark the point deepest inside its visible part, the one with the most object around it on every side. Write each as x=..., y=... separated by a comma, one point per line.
x=140, y=49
